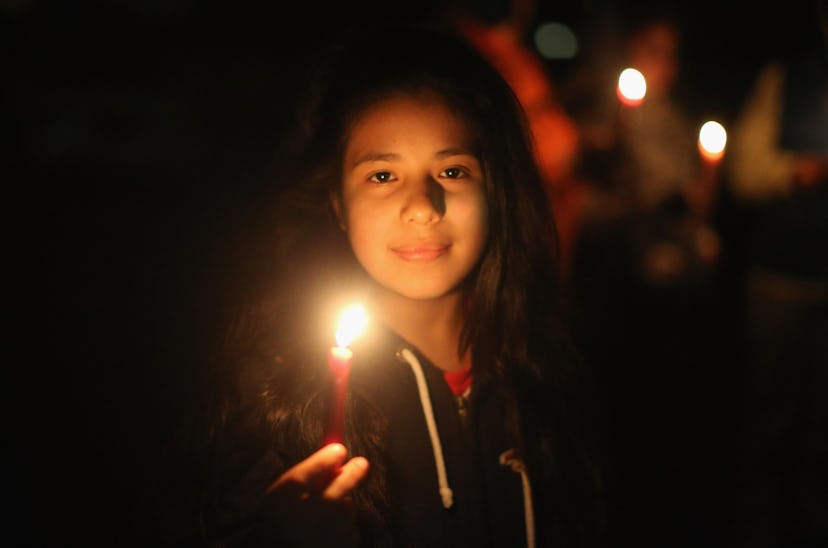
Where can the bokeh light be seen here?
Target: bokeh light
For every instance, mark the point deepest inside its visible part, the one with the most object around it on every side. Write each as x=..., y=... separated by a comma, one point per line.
x=632, y=87
x=555, y=40
x=712, y=139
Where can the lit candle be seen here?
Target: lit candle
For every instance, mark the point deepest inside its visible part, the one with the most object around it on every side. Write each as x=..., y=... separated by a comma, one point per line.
x=351, y=323
x=712, y=140
x=630, y=90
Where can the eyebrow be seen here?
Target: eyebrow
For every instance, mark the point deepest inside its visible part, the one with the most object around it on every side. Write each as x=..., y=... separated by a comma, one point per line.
x=391, y=156
x=455, y=152
x=375, y=157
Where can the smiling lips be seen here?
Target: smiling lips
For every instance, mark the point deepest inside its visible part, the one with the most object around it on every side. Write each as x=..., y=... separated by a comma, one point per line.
x=421, y=253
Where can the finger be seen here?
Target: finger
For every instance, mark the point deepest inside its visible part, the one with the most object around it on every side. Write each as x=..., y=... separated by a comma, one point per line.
x=351, y=474
x=314, y=470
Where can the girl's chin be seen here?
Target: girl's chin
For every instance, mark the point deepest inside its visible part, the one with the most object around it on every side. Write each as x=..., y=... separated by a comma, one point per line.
x=422, y=294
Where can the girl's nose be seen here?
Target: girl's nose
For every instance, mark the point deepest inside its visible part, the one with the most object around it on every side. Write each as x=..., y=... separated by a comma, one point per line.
x=425, y=202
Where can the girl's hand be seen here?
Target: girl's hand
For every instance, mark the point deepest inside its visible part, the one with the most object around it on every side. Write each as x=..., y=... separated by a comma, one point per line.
x=309, y=505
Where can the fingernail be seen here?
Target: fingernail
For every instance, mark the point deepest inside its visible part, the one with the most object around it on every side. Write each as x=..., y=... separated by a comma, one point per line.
x=361, y=463
x=336, y=449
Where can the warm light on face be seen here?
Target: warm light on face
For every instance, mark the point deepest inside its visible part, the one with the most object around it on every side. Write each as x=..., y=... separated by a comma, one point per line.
x=632, y=87
x=352, y=323
x=413, y=197
x=712, y=139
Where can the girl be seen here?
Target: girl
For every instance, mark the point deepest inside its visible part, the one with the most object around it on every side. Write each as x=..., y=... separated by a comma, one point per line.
x=421, y=197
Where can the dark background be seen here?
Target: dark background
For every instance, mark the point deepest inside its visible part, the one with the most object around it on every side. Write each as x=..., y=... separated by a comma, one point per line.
x=136, y=135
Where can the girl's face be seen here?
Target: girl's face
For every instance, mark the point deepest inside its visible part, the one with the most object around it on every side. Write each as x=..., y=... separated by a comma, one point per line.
x=413, y=199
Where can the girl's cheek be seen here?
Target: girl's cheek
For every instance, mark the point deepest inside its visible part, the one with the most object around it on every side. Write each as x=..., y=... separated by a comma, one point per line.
x=365, y=219
x=470, y=205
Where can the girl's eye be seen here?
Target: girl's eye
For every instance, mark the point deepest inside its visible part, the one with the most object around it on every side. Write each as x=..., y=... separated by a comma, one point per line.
x=382, y=177
x=452, y=173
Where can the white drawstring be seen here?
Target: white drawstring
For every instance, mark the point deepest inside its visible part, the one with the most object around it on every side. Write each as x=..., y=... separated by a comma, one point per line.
x=510, y=458
x=528, y=509
x=446, y=494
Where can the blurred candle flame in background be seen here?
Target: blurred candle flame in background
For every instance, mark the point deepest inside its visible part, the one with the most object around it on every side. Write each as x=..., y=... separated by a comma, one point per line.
x=712, y=140
x=632, y=87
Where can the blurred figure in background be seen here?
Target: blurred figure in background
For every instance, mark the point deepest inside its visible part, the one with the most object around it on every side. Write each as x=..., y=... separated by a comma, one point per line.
x=641, y=166
x=658, y=134
x=778, y=169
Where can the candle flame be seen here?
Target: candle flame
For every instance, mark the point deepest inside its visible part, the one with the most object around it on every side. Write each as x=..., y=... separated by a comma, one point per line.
x=352, y=322
x=712, y=139
x=632, y=87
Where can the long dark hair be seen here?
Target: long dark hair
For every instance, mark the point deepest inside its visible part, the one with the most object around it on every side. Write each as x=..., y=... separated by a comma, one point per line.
x=514, y=327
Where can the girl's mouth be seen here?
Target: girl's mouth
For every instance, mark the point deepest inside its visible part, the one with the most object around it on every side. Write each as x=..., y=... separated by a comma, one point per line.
x=421, y=253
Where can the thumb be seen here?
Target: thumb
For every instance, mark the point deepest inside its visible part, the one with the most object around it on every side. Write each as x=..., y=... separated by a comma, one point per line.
x=314, y=471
